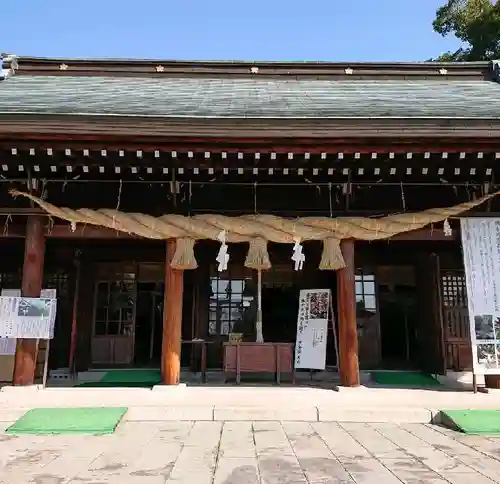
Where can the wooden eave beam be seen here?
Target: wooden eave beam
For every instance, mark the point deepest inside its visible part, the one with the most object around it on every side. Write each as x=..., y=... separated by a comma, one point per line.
x=86, y=232
x=63, y=231
x=93, y=232
x=16, y=231
x=248, y=145
x=14, y=126
x=426, y=235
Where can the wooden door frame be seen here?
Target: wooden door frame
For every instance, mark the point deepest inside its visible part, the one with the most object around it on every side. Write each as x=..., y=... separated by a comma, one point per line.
x=154, y=295
x=456, y=345
x=94, y=310
x=429, y=262
x=438, y=309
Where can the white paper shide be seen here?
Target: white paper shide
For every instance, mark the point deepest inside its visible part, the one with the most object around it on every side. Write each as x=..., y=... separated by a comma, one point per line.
x=312, y=329
x=481, y=250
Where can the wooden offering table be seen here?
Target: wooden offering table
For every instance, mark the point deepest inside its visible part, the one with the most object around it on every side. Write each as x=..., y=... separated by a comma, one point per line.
x=201, y=343
x=249, y=357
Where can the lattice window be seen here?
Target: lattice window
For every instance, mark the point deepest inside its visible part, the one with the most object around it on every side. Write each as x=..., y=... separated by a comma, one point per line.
x=10, y=280
x=454, y=291
x=366, y=298
x=58, y=281
x=232, y=294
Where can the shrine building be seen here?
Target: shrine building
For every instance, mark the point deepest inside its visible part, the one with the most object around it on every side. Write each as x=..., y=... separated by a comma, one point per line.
x=121, y=179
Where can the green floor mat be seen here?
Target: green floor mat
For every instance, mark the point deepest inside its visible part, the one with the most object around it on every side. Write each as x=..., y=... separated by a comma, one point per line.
x=404, y=379
x=473, y=422
x=125, y=379
x=110, y=384
x=55, y=421
x=146, y=377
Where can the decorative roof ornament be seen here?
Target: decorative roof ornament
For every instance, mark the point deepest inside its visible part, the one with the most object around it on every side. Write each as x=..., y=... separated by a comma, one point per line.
x=8, y=65
x=12, y=60
x=349, y=71
x=160, y=68
x=254, y=70
x=496, y=70
x=63, y=67
x=443, y=71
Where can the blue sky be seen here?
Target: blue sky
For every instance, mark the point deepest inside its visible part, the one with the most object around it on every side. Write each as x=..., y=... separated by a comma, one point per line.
x=335, y=30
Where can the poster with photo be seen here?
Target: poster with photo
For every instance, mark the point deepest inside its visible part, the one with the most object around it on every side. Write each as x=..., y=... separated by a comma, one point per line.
x=312, y=329
x=8, y=345
x=481, y=251
x=26, y=317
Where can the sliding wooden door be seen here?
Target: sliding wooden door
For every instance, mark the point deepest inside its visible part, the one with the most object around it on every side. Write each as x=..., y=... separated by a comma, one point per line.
x=114, y=319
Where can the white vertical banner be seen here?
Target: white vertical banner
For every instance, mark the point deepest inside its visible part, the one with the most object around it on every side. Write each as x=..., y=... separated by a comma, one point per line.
x=312, y=329
x=481, y=251
x=8, y=345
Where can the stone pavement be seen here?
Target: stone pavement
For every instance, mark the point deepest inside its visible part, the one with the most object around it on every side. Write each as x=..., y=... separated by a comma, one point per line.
x=271, y=452
x=248, y=403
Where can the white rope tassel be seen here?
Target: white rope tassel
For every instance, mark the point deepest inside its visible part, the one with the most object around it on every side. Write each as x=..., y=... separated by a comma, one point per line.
x=222, y=256
x=298, y=256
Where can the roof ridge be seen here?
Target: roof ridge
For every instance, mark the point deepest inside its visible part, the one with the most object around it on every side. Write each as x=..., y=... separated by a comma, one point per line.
x=228, y=62
x=33, y=66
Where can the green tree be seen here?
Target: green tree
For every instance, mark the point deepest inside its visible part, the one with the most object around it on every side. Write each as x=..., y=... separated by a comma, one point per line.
x=476, y=23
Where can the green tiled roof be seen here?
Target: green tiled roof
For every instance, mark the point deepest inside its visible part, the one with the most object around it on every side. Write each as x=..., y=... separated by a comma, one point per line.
x=192, y=97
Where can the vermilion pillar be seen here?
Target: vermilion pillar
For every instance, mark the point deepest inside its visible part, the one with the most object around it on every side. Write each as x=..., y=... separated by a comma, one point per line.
x=31, y=286
x=172, y=320
x=346, y=308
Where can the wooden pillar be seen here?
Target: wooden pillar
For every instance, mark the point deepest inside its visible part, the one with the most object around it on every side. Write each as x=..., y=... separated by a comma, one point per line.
x=172, y=320
x=346, y=309
x=86, y=296
x=74, y=317
x=31, y=286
